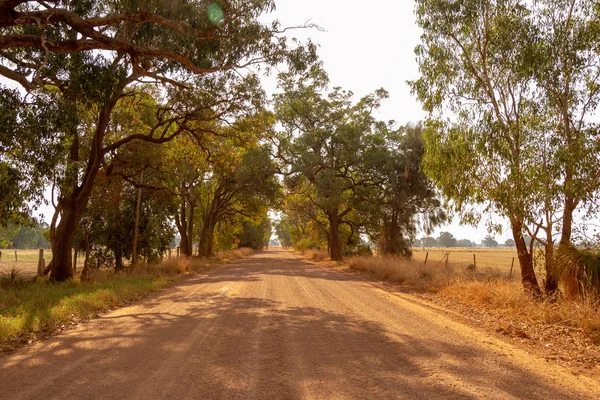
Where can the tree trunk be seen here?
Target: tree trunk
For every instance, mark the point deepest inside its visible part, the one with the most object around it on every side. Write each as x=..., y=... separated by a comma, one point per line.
x=64, y=235
x=75, y=261
x=118, y=257
x=335, y=247
x=525, y=260
x=136, y=228
x=190, y=232
x=551, y=285
x=85, y=272
x=567, y=221
x=205, y=246
x=182, y=227
x=72, y=206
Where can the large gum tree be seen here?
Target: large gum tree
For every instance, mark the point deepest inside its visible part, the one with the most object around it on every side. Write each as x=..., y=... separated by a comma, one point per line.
x=88, y=55
x=511, y=86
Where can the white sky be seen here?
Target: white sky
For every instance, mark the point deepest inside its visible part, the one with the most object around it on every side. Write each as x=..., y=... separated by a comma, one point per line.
x=365, y=46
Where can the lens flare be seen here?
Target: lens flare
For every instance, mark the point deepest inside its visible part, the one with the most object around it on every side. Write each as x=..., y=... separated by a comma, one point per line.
x=215, y=14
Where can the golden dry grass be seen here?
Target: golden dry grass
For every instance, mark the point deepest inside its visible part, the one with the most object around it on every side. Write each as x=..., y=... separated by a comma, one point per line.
x=488, y=290
x=510, y=301
x=486, y=258
x=315, y=255
x=430, y=276
x=27, y=260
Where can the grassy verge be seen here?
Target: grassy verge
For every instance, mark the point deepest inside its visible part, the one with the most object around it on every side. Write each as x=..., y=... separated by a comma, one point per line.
x=314, y=255
x=489, y=293
x=34, y=308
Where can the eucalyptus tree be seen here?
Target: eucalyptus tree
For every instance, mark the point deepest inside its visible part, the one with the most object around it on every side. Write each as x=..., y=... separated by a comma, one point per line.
x=242, y=187
x=407, y=199
x=89, y=55
x=332, y=143
x=522, y=80
x=473, y=61
x=566, y=67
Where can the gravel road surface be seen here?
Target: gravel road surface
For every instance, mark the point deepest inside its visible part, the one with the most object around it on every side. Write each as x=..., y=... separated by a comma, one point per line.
x=274, y=326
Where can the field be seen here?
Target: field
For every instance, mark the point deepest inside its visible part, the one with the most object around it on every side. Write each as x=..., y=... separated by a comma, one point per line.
x=499, y=258
x=27, y=260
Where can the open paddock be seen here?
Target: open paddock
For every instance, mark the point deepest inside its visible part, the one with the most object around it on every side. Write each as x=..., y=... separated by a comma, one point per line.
x=27, y=260
x=498, y=258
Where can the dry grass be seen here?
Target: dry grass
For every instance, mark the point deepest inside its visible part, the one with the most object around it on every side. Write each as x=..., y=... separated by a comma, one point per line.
x=499, y=258
x=315, y=255
x=27, y=261
x=430, y=277
x=31, y=307
x=509, y=301
x=234, y=254
x=489, y=291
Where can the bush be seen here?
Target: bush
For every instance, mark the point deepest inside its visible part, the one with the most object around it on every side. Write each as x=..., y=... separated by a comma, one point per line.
x=316, y=255
x=306, y=244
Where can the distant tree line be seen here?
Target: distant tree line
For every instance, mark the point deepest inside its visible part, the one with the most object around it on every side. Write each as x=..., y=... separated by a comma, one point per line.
x=14, y=236
x=446, y=239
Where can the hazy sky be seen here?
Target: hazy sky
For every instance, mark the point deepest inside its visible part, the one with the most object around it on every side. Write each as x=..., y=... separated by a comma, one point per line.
x=365, y=46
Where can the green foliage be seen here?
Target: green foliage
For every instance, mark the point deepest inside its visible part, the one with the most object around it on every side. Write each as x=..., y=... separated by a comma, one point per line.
x=255, y=236
x=15, y=236
x=429, y=241
x=407, y=198
x=489, y=241
x=329, y=150
x=446, y=239
x=465, y=243
x=78, y=73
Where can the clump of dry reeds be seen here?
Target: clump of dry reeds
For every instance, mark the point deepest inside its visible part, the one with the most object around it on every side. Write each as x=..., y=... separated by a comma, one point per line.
x=578, y=271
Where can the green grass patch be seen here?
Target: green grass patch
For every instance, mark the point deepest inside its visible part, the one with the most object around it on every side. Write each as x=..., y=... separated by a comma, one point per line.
x=31, y=309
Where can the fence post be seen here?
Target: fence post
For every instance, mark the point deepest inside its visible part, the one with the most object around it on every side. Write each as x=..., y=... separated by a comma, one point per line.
x=474, y=261
x=40, y=261
x=446, y=263
x=15, y=255
x=426, y=255
x=511, y=267
x=0, y=255
x=177, y=251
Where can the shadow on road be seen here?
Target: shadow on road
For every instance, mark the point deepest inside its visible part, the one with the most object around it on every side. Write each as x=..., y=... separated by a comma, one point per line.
x=191, y=344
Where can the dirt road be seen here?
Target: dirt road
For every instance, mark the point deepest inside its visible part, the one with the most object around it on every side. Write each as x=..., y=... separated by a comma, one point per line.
x=274, y=326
